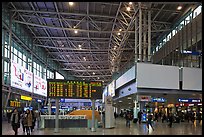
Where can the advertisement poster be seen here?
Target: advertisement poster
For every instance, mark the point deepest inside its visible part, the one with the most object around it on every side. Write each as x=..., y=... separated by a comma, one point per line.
x=20, y=77
x=111, y=89
x=40, y=86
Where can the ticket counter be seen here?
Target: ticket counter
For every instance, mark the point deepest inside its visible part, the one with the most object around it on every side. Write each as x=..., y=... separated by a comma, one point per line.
x=65, y=121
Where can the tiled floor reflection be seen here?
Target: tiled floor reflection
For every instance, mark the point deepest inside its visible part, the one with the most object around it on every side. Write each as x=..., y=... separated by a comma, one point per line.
x=183, y=128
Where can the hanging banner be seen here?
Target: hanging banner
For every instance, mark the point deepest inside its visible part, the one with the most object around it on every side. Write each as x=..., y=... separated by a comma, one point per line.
x=21, y=78
x=40, y=86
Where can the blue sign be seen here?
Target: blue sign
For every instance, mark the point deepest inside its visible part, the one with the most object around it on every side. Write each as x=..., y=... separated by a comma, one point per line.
x=62, y=100
x=189, y=100
x=144, y=117
x=39, y=100
x=158, y=99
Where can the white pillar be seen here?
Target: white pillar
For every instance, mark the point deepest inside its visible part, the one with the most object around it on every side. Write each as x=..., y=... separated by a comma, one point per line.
x=57, y=116
x=149, y=35
x=93, y=116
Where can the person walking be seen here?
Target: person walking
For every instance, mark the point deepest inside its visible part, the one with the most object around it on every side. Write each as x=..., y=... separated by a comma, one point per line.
x=33, y=120
x=149, y=120
x=170, y=119
x=128, y=118
x=139, y=115
x=15, y=121
x=199, y=117
x=28, y=121
x=23, y=121
x=163, y=117
x=156, y=116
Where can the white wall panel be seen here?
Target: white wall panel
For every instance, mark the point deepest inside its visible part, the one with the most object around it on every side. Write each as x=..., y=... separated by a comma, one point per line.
x=157, y=76
x=126, y=77
x=192, y=78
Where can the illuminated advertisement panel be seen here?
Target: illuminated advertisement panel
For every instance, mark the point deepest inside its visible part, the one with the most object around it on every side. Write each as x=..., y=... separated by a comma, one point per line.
x=21, y=78
x=111, y=89
x=40, y=86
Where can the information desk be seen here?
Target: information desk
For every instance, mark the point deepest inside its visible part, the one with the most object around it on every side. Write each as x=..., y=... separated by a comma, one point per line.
x=65, y=121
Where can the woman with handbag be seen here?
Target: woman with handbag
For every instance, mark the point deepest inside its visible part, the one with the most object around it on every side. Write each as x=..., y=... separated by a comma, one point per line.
x=15, y=121
x=28, y=121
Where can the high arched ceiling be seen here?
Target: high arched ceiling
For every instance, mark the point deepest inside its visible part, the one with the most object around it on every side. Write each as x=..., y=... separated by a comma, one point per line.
x=91, y=52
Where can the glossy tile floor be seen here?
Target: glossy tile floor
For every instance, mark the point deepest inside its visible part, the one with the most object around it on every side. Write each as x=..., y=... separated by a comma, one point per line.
x=183, y=128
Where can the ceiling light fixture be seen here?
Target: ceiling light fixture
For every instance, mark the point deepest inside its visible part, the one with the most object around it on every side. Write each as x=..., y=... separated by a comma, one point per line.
x=120, y=29
x=84, y=58
x=71, y=3
x=130, y=3
x=75, y=31
x=88, y=66
x=128, y=8
x=98, y=78
x=179, y=7
x=79, y=46
x=93, y=73
x=118, y=33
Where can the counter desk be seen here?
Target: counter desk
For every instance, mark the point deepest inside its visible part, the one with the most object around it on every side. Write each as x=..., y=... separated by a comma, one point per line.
x=66, y=121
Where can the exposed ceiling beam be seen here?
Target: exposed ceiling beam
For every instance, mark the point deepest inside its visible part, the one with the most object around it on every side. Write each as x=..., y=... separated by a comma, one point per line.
x=158, y=12
x=74, y=49
x=165, y=10
x=94, y=38
x=87, y=70
x=81, y=30
x=93, y=76
x=64, y=13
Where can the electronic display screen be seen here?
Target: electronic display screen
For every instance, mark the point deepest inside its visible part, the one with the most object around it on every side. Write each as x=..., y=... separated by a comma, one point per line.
x=58, y=88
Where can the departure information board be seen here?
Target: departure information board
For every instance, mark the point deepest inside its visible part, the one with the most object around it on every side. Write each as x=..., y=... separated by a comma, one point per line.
x=74, y=89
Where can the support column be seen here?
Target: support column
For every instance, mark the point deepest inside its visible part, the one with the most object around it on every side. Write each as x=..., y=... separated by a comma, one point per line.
x=140, y=32
x=144, y=36
x=136, y=39
x=136, y=108
x=3, y=50
x=57, y=116
x=149, y=35
x=93, y=116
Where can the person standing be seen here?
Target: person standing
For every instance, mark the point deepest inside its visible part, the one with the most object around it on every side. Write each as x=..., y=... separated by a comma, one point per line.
x=28, y=121
x=15, y=121
x=139, y=115
x=170, y=119
x=149, y=120
x=38, y=119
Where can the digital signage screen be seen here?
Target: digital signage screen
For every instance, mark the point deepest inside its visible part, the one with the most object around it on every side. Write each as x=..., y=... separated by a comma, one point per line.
x=40, y=86
x=21, y=78
x=57, y=88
